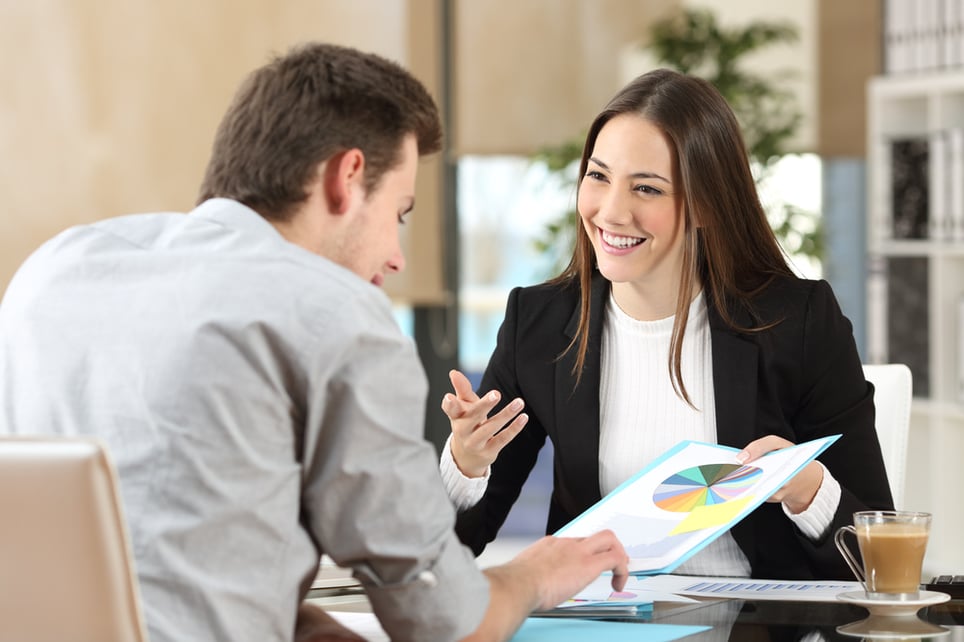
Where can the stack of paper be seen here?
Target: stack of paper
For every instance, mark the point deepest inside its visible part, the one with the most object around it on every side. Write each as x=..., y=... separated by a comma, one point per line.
x=600, y=600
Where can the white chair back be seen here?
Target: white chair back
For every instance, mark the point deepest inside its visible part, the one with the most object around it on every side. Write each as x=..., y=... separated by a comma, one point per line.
x=66, y=572
x=893, y=390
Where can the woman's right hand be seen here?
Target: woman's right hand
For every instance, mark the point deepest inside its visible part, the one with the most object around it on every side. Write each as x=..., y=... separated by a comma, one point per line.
x=477, y=438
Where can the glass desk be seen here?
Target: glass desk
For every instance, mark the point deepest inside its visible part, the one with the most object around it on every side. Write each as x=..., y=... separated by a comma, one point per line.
x=766, y=620
x=759, y=621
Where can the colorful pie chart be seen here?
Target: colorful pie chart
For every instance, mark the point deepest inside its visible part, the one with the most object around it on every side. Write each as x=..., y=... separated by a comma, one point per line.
x=704, y=485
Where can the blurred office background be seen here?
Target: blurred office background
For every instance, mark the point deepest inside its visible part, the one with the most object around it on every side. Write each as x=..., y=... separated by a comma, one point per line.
x=109, y=107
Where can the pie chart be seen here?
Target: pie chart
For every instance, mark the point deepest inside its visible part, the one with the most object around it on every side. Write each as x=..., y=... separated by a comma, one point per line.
x=704, y=485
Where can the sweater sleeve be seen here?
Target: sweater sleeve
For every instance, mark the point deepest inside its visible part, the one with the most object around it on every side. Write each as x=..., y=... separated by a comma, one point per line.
x=816, y=520
x=465, y=492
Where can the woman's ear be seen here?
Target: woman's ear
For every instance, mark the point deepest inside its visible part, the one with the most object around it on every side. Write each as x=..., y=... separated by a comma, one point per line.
x=342, y=179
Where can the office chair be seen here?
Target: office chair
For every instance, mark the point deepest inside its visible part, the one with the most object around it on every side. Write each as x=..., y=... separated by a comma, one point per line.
x=893, y=390
x=66, y=572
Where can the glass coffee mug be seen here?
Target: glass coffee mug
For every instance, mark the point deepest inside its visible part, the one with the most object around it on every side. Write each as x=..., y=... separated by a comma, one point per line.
x=892, y=545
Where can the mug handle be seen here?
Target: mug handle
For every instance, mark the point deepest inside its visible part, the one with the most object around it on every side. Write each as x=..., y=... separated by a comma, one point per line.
x=848, y=556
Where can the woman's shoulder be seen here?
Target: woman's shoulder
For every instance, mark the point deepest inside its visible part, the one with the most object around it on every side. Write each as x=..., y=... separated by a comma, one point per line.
x=789, y=289
x=543, y=307
x=787, y=296
x=549, y=293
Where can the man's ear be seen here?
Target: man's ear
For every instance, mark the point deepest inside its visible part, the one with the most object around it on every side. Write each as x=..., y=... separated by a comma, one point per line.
x=342, y=179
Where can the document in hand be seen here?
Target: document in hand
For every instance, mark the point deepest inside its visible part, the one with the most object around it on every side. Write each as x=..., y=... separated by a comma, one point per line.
x=687, y=498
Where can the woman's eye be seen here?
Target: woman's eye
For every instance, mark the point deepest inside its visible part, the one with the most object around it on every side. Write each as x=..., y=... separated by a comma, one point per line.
x=648, y=190
x=595, y=175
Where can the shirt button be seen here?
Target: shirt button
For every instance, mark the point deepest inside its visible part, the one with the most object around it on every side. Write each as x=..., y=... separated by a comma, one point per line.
x=428, y=578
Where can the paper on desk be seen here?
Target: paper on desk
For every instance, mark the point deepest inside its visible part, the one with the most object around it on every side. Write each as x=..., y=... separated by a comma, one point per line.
x=535, y=629
x=364, y=624
x=750, y=589
x=600, y=591
x=539, y=630
x=332, y=576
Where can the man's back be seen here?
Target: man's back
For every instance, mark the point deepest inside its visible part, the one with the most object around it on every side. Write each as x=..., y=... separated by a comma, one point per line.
x=199, y=347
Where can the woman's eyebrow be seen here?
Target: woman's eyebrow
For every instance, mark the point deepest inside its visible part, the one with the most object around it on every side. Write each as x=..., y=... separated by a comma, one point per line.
x=652, y=175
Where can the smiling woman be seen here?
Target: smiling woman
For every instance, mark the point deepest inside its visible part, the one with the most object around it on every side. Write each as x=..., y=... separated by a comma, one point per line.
x=677, y=318
x=633, y=215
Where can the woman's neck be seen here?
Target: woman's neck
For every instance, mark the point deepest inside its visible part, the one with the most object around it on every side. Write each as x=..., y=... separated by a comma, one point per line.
x=645, y=302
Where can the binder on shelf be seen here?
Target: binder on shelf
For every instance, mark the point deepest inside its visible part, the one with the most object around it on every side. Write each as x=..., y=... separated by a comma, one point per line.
x=960, y=349
x=877, y=309
x=921, y=36
x=938, y=202
x=955, y=179
x=928, y=42
x=951, y=33
x=895, y=37
x=909, y=171
x=908, y=318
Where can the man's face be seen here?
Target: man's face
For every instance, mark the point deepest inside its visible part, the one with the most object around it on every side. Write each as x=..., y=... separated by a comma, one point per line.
x=368, y=244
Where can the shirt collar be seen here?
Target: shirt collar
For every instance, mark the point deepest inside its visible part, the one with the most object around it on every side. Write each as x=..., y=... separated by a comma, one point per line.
x=235, y=215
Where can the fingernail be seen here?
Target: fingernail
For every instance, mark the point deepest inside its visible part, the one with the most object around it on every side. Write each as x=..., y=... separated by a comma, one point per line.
x=492, y=396
x=742, y=456
x=516, y=404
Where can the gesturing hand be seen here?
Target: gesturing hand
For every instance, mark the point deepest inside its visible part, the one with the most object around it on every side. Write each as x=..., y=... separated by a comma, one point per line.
x=477, y=438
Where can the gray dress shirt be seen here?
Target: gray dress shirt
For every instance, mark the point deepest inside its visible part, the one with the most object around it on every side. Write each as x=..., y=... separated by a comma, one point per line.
x=261, y=406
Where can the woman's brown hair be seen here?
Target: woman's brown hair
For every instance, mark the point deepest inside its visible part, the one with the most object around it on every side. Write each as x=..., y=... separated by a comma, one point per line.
x=729, y=246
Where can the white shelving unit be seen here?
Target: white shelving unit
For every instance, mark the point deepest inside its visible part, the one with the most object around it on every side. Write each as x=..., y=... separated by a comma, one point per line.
x=918, y=106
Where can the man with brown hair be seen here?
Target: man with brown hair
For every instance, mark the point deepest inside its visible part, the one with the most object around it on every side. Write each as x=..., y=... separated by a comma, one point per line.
x=257, y=396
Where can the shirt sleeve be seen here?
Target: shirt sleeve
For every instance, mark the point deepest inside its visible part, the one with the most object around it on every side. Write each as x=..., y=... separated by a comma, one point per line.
x=816, y=520
x=373, y=499
x=465, y=492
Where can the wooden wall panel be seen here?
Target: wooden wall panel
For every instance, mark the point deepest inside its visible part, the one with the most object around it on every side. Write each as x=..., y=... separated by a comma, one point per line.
x=109, y=106
x=849, y=54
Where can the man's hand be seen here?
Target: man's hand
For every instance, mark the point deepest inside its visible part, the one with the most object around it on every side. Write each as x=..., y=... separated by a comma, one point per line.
x=545, y=574
x=477, y=438
x=314, y=625
x=563, y=566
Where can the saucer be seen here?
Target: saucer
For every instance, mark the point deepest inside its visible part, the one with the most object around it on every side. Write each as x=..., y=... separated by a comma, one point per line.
x=894, y=608
x=882, y=627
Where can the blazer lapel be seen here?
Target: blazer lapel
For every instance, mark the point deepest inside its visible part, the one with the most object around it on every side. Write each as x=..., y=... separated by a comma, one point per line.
x=735, y=388
x=577, y=409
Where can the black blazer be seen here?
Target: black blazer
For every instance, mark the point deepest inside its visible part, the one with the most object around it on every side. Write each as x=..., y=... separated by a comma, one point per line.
x=801, y=379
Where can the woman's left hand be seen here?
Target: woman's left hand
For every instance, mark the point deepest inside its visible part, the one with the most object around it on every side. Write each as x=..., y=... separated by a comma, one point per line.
x=799, y=491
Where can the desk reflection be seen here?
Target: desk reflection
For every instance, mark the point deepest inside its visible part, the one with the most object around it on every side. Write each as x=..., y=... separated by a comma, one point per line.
x=766, y=621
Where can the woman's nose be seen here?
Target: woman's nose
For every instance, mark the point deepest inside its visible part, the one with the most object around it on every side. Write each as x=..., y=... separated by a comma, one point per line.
x=614, y=208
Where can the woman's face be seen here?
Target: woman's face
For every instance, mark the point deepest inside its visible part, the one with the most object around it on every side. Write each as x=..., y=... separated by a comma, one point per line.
x=631, y=208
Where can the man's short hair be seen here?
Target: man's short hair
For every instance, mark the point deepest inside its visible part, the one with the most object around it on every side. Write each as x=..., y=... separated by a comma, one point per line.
x=302, y=108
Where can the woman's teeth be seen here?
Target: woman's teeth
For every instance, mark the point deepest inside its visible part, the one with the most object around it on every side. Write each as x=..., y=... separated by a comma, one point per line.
x=621, y=241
